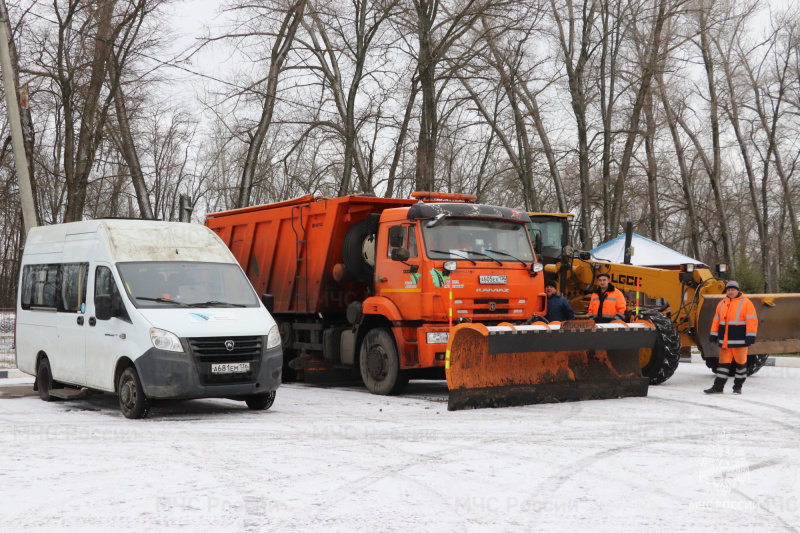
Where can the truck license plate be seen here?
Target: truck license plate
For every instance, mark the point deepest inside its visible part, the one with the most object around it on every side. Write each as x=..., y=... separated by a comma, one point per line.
x=493, y=280
x=230, y=368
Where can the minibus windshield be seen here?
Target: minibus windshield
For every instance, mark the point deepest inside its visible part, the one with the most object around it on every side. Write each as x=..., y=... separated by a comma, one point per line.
x=167, y=284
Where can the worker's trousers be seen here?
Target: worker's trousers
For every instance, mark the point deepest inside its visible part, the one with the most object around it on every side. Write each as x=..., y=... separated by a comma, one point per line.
x=732, y=362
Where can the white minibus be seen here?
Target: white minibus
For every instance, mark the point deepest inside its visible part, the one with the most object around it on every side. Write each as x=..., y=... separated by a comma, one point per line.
x=145, y=310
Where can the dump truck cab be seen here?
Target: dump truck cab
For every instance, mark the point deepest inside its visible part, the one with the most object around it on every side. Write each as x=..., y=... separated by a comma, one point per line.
x=480, y=255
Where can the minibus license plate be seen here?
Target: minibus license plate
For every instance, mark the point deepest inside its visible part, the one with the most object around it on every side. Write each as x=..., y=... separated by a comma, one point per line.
x=230, y=368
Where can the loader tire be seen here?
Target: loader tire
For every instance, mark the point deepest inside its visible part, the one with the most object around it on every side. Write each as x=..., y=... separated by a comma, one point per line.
x=664, y=358
x=380, y=365
x=755, y=363
x=355, y=248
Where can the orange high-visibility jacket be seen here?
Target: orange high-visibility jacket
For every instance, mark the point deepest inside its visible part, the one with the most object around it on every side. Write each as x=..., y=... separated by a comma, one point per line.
x=735, y=324
x=613, y=304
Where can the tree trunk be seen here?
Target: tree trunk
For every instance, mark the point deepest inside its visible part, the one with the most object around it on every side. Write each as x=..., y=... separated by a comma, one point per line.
x=714, y=174
x=281, y=48
x=128, y=149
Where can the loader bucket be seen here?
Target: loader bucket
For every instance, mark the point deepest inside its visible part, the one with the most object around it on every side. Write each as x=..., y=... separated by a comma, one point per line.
x=778, y=327
x=504, y=365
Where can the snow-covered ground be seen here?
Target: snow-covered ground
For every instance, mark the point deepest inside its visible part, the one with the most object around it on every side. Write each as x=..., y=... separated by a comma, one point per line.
x=340, y=459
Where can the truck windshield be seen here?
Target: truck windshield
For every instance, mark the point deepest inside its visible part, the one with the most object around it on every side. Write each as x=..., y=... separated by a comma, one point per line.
x=157, y=284
x=477, y=239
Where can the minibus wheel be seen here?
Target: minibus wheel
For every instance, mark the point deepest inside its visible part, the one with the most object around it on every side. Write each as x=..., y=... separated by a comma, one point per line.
x=260, y=402
x=132, y=401
x=44, y=380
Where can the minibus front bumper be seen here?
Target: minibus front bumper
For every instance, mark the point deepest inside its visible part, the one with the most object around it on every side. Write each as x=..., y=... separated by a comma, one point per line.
x=188, y=374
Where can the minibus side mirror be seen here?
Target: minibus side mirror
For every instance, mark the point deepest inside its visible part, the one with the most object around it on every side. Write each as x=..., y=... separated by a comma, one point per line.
x=269, y=302
x=102, y=306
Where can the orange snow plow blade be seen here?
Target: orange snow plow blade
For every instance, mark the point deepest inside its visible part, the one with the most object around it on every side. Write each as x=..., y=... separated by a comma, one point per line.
x=505, y=365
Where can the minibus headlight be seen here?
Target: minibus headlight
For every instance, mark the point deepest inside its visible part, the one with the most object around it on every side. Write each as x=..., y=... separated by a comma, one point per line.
x=164, y=340
x=274, y=338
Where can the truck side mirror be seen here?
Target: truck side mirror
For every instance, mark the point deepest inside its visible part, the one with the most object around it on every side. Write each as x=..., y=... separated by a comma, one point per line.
x=537, y=244
x=269, y=302
x=397, y=235
x=102, y=306
x=400, y=254
x=582, y=235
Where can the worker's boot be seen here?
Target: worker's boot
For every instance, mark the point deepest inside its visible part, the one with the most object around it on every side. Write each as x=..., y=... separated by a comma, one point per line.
x=722, y=371
x=717, y=387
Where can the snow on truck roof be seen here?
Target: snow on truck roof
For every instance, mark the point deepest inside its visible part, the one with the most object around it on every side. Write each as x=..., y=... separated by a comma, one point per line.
x=140, y=240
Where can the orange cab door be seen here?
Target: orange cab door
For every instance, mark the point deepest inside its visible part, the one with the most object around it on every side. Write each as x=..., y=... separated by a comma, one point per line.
x=399, y=280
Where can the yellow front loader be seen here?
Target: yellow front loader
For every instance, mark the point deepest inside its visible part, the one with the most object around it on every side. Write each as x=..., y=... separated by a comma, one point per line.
x=679, y=302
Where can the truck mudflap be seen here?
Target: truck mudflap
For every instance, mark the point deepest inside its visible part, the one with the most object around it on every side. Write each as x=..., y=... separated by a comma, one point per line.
x=778, y=327
x=508, y=365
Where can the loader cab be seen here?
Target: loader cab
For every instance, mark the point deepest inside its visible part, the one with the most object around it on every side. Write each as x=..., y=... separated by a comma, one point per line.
x=550, y=234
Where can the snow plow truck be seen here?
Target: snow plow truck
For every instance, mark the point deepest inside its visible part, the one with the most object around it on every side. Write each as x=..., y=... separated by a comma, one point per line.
x=431, y=287
x=679, y=301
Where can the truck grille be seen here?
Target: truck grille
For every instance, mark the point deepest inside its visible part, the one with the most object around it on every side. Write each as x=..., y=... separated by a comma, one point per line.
x=208, y=350
x=482, y=307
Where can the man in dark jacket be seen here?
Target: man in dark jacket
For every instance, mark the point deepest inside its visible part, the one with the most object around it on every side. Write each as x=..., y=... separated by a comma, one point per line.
x=558, y=307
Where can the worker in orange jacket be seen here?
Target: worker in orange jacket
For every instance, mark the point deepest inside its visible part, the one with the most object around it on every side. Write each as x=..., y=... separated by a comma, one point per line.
x=608, y=302
x=734, y=328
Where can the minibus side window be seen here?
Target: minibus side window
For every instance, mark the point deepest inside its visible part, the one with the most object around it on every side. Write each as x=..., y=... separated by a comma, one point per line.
x=73, y=287
x=39, y=286
x=27, y=287
x=105, y=288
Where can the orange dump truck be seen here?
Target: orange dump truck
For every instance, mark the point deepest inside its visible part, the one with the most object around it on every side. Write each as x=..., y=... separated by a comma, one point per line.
x=427, y=287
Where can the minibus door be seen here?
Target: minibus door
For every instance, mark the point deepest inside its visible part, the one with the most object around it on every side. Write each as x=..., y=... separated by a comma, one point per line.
x=69, y=363
x=109, y=325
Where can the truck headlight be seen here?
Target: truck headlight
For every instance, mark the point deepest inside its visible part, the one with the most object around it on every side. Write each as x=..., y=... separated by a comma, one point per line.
x=164, y=340
x=538, y=267
x=437, y=337
x=274, y=338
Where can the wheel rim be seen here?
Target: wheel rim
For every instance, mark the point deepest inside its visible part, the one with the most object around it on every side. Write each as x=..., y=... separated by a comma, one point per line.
x=127, y=394
x=645, y=354
x=377, y=363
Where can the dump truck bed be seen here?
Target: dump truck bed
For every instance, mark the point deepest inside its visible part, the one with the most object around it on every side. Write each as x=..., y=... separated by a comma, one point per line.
x=289, y=249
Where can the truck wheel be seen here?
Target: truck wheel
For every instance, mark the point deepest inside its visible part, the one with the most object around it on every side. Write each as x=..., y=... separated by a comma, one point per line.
x=132, y=401
x=357, y=242
x=380, y=366
x=44, y=380
x=660, y=363
x=288, y=374
x=260, y=402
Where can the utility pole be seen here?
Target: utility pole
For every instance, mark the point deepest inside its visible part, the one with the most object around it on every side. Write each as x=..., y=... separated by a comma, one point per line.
x=17, y=141
x=185, y=208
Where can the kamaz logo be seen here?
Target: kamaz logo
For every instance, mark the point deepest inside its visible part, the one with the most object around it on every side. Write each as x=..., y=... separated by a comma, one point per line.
x=491, y=290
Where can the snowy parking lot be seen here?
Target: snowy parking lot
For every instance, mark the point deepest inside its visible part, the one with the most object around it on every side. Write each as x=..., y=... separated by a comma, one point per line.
x=340, y=459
